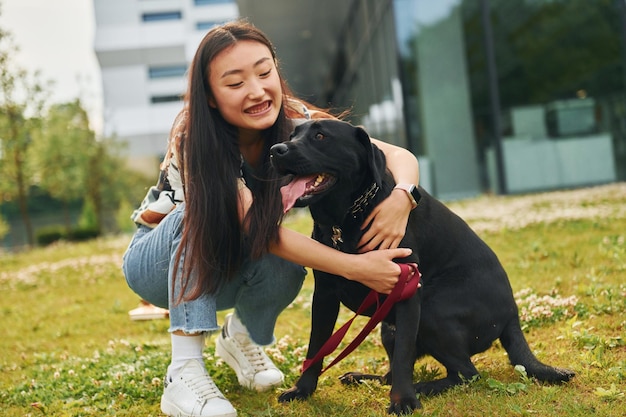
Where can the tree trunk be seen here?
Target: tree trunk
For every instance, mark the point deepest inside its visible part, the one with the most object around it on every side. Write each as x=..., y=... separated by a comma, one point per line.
x=66, y=216
x=22, y=194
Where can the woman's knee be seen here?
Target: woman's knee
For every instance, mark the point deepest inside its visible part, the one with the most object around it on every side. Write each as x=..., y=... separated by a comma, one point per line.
x=145, y=274
x=281, y=274
x=150, y=286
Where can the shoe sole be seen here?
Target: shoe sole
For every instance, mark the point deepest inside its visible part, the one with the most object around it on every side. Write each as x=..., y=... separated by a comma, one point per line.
x=223, y=353
x=149, y=317
x=171, y=410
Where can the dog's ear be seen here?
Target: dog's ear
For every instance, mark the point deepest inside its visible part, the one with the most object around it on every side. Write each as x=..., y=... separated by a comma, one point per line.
x=375, y=157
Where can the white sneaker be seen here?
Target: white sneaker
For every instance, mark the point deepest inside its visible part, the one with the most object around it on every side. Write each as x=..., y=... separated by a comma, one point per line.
x=194, y=394
x=147, y=311
x=253, y=368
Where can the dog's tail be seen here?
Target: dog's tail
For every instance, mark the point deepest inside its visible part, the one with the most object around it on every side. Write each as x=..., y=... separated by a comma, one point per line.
x=515, y=343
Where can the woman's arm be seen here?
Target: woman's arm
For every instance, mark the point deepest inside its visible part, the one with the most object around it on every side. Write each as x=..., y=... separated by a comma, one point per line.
x=389, y=219
x=374, y=269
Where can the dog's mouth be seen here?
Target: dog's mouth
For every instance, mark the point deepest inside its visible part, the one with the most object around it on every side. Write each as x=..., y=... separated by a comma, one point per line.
x=301, y=188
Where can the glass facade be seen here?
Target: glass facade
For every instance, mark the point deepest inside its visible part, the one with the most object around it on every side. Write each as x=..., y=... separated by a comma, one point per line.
x=205, y=26
x=160, y=16
x=167, y=71
x=208, y=2
x=365, y=73
x=507, y=96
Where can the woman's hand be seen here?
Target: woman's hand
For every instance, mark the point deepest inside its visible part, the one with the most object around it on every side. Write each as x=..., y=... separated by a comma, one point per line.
x=377, y=270
x=388, y=223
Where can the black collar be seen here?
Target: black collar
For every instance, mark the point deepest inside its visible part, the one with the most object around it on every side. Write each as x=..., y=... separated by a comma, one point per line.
x=361, y=203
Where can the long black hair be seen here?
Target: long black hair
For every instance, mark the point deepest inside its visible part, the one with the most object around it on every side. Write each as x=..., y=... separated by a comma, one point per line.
x=213, y=241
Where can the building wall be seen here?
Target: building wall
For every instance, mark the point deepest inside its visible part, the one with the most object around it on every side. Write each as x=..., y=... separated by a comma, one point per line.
x=143, y=61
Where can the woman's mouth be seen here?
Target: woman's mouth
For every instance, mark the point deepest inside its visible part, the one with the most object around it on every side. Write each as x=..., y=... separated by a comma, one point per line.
x=259, y=108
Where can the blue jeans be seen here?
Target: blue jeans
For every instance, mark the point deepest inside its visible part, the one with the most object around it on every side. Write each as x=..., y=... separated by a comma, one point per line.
x=259, y=292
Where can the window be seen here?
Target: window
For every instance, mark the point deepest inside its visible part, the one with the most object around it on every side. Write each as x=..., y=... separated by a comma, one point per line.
x=165, y=99
x=160, y=16
x=208, y=24
x=169, y=71
x=206, y=2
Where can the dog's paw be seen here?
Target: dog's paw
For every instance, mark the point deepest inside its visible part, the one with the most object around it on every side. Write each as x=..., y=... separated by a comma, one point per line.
x=355, y=378
x=404, y=406
x=567, y=374
x=556, y=376
x=294, y=393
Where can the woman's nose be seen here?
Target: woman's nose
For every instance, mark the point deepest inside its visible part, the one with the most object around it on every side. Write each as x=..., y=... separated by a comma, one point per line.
x=255, y=90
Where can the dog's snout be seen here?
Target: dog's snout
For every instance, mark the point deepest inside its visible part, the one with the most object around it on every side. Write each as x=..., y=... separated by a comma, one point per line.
x=279, y=149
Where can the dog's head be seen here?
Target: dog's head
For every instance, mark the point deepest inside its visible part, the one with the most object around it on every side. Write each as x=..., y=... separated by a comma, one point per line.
x=330, y=161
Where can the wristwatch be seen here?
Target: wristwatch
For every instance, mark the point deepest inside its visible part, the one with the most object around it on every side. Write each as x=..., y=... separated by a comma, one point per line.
x=413, y=193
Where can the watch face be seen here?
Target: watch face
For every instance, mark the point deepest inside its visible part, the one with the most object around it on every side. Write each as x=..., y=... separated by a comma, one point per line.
x=412, y=193
x=415, y=194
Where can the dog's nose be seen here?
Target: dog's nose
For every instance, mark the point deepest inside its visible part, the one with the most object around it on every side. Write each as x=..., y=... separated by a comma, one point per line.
x=279, y=149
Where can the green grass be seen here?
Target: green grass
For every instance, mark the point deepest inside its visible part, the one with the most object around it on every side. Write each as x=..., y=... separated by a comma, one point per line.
x=69, y=349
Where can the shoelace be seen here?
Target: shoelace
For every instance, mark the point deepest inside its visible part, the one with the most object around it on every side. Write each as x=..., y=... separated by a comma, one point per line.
x=255, y=355
x=203, y=386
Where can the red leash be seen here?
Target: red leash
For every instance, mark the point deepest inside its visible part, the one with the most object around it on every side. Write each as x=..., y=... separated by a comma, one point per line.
x=405, y=288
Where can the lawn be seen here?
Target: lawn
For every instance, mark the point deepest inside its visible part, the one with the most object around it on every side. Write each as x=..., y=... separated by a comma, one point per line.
x=69, y=348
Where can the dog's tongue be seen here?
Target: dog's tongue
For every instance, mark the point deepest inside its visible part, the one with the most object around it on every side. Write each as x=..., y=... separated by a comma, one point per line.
x=294, y=190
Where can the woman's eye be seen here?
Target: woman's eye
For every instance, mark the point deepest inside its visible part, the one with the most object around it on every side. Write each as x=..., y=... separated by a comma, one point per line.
x=265, y=74
x=319, y=136
x=235, y=85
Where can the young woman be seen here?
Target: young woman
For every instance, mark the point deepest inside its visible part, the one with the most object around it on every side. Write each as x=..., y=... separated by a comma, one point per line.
x=209, y=235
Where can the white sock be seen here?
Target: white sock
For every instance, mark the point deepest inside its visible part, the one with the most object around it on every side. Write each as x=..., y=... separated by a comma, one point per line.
x=235, y=325
x=185, y=348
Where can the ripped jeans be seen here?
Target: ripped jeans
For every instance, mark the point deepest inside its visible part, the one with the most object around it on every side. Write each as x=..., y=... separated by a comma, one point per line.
x=259, y=292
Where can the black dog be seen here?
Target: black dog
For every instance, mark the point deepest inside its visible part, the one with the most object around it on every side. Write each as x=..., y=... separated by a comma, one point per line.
x=466, y=301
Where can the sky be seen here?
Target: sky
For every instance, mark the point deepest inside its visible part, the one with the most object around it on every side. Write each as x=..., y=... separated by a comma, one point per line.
x=56, y=38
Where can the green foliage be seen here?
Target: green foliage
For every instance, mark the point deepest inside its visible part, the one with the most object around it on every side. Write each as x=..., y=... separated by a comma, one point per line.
x=512, y=388
x=88, y=217
x=50, y=234
x=611, y=394
x=4, y=227
x=79, y=234
x=61, y=151
x=122, y=217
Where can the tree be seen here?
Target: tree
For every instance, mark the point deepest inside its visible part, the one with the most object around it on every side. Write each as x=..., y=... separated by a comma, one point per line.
x=22, y=98
x=62, y=152
x=112, y=184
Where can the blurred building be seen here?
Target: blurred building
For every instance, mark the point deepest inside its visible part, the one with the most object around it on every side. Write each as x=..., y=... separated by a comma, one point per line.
x=492, y=95
x=144, y=48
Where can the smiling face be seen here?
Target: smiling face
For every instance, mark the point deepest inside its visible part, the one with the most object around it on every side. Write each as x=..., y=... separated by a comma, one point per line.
x=246, y=86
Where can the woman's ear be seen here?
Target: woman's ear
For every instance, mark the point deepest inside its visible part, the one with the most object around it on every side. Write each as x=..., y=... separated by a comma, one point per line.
x=212, y=102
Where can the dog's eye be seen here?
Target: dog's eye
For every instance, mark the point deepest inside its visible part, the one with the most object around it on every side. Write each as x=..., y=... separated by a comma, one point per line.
x=319, y=136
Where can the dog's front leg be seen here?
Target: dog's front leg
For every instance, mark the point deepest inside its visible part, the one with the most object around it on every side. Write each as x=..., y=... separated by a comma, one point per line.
x=402, y=395
x=324, y=313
